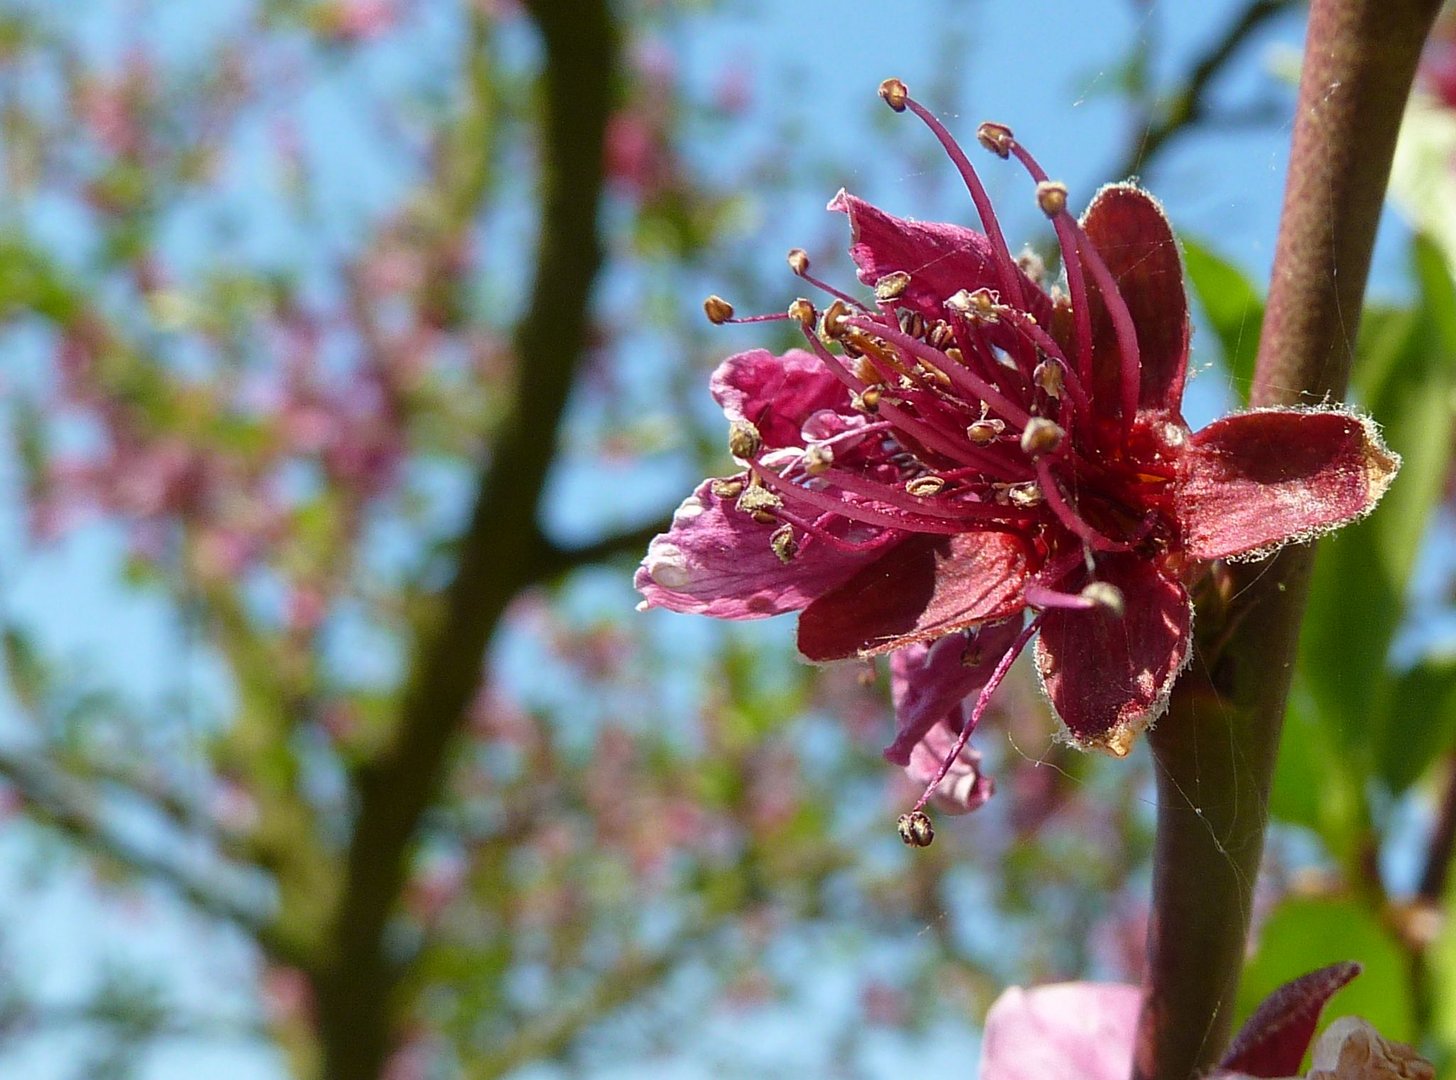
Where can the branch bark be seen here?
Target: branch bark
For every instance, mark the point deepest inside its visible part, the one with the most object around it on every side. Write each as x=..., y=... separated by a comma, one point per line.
x=358, y=981
x=1215, y=752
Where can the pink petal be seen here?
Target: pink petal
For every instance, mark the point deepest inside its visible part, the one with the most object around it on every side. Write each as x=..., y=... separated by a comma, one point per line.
x=1251, y=483
x=940, y=259
x=1129, y=230
x=1066, y=1031
x=927, y=587
x=1272, y=1042
x=964, y=787
x=930, y=679
x=1109, y=676
x=777, y=393
x=717, y=561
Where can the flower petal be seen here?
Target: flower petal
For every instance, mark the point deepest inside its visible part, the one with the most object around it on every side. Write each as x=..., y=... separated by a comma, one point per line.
x=964, y=787
x=1273, y=1040
x=1251, y=483
x=1082, y=1030
x=1129, y=230
x=717, y=561
x=927, y=587
x=930, y=679
x=941, y=259
x=777, y=393
x=1109, y=676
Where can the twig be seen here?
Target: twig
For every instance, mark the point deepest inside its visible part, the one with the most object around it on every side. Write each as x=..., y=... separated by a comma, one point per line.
x=1216, y=749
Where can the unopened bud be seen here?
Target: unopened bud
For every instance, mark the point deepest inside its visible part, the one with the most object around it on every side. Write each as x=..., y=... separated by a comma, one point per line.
x=1041, y=436
x=744, y=441
x=802, y=312
x=996, y=138
x=915, y=829
x=1051, y=196
x=818, y=459
x=1105, y=595
x=924, y=486
x=783, y=543
x=985, y=431
x=895, y=94
x=892, y=287
x=717, y=309
x=1048, y=375
x=799, y=261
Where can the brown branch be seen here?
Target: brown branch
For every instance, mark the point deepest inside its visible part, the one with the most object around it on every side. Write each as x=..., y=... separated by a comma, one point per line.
x=1185, y=106
x=495, y=555
x=70, y=806
x=1436, y=870
x=554, y=560
x=1216, y=750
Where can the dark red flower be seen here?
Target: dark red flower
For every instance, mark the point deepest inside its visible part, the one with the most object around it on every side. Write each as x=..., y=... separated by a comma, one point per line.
x=967, y=448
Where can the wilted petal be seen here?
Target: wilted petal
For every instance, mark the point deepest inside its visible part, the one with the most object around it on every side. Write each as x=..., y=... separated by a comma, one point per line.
x=1273, y=1040
x=1129, y=230
x=927, y=587
x=717, y=561
x=1066, y=1031
x=941, y=259
x=1253, y=482
x=1108, y=676
x=1350, y=1049
x=776, y=393
x=930, y=679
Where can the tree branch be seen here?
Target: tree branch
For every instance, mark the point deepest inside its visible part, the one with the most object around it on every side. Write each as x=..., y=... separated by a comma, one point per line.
x=69, y=806
x=1185, y=106
x=1215, y=752
x=495, y=553
x=553, y=560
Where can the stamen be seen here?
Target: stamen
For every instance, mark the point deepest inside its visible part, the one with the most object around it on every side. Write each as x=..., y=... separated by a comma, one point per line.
x=982, y=701
x=857, y=511
x=1006, y=269
x=784, y=544
x=799, y=264
x=914, y=501
x=717, y=310
x=961, y=375
x=1069, y=516
x=857, y=547
x=1066, y=240
x=1039, y=596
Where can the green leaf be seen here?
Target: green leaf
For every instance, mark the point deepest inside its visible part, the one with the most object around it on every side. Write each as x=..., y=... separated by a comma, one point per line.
x=1234, y=307
x=1420, y=722
x=1304, y=934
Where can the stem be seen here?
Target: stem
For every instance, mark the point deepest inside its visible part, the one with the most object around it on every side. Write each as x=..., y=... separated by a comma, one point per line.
x=1215, y=752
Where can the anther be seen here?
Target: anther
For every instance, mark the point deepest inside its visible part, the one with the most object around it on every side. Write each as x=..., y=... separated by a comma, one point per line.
x=818, y=459
x=892, y=286
x=1051, y=196
x=868, y=401
x=1032, y=265
x=727, y=487
x=923, y=487
x=1105, y=595
x=985, y=431
x=941, y=335
x=833, y=323
x=802, y=312
x=912, y=323
x=799, y=261
x=915, y=829
x=895, y=94
x=717, y=309
x=1025, y=495
x=1050, y=377
x=955, y=356
x=759, y=503
x=783, y=543
x=996, y=138
x=1040, y=436
x=744, y=441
